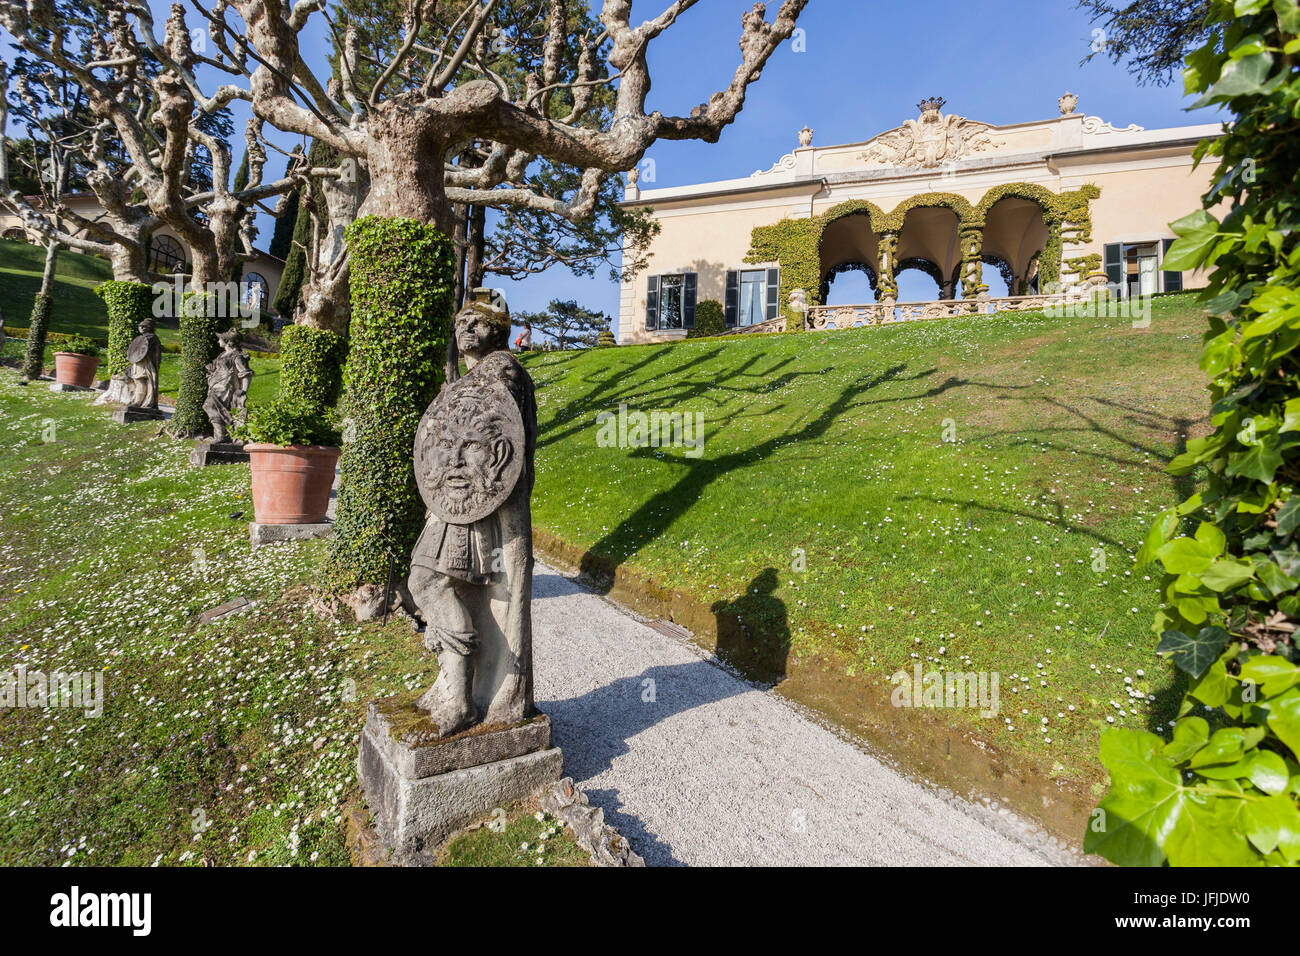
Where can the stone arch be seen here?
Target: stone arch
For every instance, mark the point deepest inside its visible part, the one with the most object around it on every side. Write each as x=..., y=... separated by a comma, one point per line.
x=844, y=267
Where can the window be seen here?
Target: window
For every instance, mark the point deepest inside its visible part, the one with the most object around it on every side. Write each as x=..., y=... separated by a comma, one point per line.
x=16, y=234
x=253, y=290
x=670, y=301
x=1134, y=268
x=752, y=296
x=166, y=255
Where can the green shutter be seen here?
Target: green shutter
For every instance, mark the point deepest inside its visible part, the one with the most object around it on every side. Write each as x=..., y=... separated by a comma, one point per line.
x=652, y=305
x=773, y=292
x=732, y=305
x=688, y=300
x=1115, y=265
x=1173, y=280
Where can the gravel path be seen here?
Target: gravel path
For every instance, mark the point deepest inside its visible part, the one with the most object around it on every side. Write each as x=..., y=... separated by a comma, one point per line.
x=701, y=768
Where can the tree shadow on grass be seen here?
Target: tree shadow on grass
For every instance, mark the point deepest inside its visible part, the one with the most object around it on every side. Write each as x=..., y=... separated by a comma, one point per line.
x=655, y=515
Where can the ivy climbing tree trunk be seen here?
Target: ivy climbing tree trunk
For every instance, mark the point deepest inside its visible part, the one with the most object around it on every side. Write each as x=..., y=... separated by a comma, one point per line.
x=37, y=327
x=127, y=305
x=201, y=321
x=401, y=292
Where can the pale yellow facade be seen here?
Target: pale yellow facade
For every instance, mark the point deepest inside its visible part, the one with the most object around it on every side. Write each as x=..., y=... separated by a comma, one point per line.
x=1145, y=180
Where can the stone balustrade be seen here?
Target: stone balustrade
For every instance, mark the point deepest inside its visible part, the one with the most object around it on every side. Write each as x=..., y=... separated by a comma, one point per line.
x=822, y=317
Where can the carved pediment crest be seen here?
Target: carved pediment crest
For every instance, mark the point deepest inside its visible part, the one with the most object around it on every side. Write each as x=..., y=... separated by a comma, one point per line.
x=933, y=139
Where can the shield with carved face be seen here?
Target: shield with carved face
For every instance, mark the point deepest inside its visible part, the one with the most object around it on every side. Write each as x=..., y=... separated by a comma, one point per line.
x=469, y=451
x=138, y=350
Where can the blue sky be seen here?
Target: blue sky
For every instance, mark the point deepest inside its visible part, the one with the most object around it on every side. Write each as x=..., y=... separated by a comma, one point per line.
x=866, y=65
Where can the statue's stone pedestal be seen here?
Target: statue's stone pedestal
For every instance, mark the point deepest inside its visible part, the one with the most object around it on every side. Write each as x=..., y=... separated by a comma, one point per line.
x=132, y=413
x=422, y=788
x=264, y=534
x=217, y=453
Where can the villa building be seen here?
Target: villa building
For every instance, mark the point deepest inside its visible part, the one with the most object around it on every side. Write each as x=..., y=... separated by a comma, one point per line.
x=1052, y=205
x=168, y=253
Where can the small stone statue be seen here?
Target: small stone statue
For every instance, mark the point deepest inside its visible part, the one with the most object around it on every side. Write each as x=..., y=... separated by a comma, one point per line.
x=145, y=355
x=228, y=377
x=474, y=466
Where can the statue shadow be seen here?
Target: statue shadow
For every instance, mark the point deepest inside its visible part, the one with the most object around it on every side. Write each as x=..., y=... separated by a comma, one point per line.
x=754, y=631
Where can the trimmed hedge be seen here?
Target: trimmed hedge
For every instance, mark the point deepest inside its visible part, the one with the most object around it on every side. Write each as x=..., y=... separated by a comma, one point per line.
x=401, y=293
x=128, y=304
x=311, y=369
x=710, y=319
x=199, y=329
x=606, y=338
x=34, y=360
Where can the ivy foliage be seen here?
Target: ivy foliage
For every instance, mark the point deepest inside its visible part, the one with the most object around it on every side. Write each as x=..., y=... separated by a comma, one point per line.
x=287, y=421
x=401, y=287
x=127, y=304
x=710, y=319
x=201, y=322
x=38, y=326
x=1224, y=791
x=311, y=369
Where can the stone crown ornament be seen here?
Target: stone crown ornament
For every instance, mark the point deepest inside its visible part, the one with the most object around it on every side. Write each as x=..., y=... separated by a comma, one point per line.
x=934, y=103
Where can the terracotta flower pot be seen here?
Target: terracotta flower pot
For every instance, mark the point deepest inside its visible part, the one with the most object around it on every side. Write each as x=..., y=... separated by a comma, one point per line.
x=72, y=368
x=291, y=483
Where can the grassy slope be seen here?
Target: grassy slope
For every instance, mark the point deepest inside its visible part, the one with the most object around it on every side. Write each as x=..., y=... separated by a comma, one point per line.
x=110, y=548
x=977, y=554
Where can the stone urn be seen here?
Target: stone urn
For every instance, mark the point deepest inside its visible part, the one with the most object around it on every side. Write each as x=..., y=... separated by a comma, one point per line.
x=73, y=368
x=291, y=483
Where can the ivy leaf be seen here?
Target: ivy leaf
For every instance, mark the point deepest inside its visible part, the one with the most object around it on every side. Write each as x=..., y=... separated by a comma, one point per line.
x=1206, y=833
x=1284, y=718
x=1260, y=463
x=1145, y=801
x=1185, y=556
x=1193, y=655
x=1268, y=772
x=1214, y=687
x=1239, y=78
x=1272, y=673
x=1197, y=233
x=1190, y=735
x=1288, y=516
x=1226, y=574
x=1226, y=746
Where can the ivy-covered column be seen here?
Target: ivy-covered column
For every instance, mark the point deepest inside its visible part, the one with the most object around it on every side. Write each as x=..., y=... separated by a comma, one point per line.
x=37, y=328
x=1049, y=260
x=401, y=278
x=887, y=280
x=201, y=321
x=127, y=304
x=311, y=365
x=972, y=266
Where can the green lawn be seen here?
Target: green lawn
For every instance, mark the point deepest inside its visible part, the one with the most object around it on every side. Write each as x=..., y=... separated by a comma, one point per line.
x=76, y=310
x=233, y=742
x=1009, y=549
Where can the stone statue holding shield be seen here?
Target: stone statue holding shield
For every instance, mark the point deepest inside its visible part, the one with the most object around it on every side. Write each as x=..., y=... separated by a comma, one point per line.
x=472, y=568
x=145, y=355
